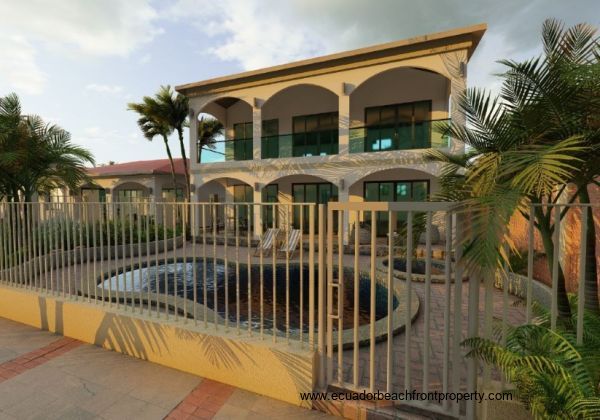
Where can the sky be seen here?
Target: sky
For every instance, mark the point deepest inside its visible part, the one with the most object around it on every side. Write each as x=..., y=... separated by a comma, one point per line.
x=77, y=63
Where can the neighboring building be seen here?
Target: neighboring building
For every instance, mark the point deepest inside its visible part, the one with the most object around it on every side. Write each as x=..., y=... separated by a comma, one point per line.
x=350, y=126
x=141, y=182
x=138, y=181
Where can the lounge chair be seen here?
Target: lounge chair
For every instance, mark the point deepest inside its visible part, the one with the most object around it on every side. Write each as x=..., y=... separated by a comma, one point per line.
x=267, y=242
x=290, y=244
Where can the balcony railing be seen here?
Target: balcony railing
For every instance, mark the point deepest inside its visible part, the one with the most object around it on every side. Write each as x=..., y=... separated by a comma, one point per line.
x=316, y=143
x=382, y=138
x=226, y=150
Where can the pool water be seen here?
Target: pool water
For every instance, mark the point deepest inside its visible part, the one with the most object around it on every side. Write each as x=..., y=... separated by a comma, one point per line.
x=165, y=277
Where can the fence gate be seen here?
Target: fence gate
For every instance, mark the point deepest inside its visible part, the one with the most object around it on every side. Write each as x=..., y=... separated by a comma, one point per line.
x=402, y=332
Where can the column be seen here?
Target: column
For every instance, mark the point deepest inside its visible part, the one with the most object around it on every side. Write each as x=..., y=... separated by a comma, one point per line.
x=458, y=84
x=258, y=230
x=344, y=197
x=195, y=212
x=256, y=129
x=344, y=119
x=155, y=197
x=193, y=134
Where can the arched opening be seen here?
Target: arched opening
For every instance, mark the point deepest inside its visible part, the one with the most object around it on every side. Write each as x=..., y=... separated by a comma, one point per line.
x=225, y=131
x=130, y=192
x=300, y=121
x=298, y=189
x=399, y=109
x=395, y=185
x=224, y=204
x=130, y=199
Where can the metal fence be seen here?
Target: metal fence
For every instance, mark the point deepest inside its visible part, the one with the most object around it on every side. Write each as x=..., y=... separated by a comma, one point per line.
x=206, y=263
x=384, y=311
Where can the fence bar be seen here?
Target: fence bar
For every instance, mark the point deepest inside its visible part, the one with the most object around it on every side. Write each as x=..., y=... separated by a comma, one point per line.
x=148, y=280
x=111, y=207
x=237, y=268
x=63, y=221
x=472, y=330
x=447, y=304
x=156, y=257
x=427, y=323
x=225, y=266
x=249, y=269
x=204, y=261
x=175, y=259
x=457, y=337
x=311, y=276
x=123, y=260
x=101, y=210
x=194, y=227
x=408, y=320
x=68, y=228
x=390, y=302
x=340, y=296
x=287, y=274
x=321, y=294
x=165, y=257
x=301, y=265
x=372, y=302
x=214, y=239
x=356, y=298
x=139, y=255
x=555, y=267
x=274, y=275
x=131, y=258
x=261, y=279
x=184, y=238
x=582, y=266
x=329, y=295
x=530, y=255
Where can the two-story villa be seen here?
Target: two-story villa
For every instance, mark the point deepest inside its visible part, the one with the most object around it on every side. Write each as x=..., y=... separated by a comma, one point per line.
x=350, y=126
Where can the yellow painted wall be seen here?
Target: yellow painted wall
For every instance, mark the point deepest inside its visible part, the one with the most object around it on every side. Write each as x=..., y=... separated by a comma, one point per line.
x=274, y=370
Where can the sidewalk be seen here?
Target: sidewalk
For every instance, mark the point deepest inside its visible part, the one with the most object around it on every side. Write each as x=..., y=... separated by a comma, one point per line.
x=47, y=376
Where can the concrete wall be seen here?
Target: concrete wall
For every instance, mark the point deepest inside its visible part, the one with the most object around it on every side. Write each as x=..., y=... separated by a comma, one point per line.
x=275, y=370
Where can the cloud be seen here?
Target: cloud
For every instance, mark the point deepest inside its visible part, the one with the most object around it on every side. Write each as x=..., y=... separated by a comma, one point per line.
x=109, y=27
x=258, y=33
x=18, y=67
x=109, y=89
x=106, y=28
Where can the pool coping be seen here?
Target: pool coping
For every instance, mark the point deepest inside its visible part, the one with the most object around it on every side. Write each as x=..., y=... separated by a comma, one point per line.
x=187, y=308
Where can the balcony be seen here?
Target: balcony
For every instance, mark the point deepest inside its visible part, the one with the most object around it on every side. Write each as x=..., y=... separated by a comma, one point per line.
x=383, y=138
x=226, y=151
x=315, y=143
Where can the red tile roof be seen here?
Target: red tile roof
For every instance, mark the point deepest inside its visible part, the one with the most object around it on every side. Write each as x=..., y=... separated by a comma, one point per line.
x=139, y=167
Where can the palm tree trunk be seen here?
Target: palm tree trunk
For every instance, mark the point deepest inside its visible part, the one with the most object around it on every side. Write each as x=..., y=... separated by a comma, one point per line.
x=166, y=140
x=185, y=164
x=591, y=269
x=564, y=309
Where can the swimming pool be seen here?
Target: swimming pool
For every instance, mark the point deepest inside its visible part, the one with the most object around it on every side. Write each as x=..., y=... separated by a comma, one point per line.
x=173, y=275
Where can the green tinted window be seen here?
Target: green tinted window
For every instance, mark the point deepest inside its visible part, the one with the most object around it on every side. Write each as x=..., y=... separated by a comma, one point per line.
x=315, y=135
x=397, y=127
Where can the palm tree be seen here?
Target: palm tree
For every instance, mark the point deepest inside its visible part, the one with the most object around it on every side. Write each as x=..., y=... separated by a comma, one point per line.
x=35, y=156
x=527, y=146
x=553, y=375
x=173, y=108
x=209, y=130
x=152, y=126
